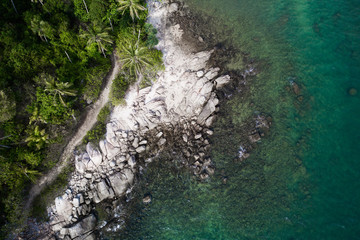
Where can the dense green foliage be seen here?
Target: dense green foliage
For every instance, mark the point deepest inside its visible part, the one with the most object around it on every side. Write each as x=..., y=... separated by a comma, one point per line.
x=48, y=109
x=140, y=63
x=49, y=64
x=94, y=81
x=118, y=89
x=99, y=130
x=133, y=6
x=99, y=35
x=53, y=59
x=7, y=105
x=50, y=193
x=151, y=32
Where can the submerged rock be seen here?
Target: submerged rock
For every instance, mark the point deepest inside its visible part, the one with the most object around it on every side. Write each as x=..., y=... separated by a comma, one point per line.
x=254, y=137
x=295, y=88
x=224, y=180
x=352, y=91
x=147, y=199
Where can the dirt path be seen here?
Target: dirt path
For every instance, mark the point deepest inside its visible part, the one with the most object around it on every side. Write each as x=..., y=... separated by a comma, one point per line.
x=88, y=123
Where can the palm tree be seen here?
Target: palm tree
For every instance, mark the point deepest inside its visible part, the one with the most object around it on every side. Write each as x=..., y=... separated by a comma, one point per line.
x=134, y=57
x=40, y=1
x=37, y=137
x=58, y=89
x=36, y=117
x=30, y=174
x=7, y=105
x=13, y=4
x=133, y=6
x=41, y=27
x=86, y=6
x=4, y=146
x=99, y=35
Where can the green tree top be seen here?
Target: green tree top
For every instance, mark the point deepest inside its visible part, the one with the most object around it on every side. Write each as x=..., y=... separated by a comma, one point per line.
x=98, y=34
x=7, y=105
x=37, y=137
x=36, y=1
x=134, y=57
x=133, y=6
x=56, y=88
x=42, y=28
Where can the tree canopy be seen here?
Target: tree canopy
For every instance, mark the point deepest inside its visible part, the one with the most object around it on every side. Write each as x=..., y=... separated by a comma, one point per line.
x=133, y=6
x=7, y=105
x=98, y=34
x=52, y=67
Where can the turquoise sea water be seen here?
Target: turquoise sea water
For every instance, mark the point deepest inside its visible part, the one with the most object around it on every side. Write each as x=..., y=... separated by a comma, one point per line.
x=302, y=180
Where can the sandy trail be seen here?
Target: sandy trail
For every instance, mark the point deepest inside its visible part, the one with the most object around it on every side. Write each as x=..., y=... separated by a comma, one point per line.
x=88, y=123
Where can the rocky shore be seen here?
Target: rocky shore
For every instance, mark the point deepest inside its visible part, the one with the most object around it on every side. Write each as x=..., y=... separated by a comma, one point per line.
x=177, y=110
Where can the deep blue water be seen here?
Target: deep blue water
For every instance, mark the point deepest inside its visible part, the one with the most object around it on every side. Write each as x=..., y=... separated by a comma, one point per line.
x=302, y=180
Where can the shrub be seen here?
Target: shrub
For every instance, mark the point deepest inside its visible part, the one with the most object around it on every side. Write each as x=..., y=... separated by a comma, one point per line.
x=48, y=109
x=118, y=89
x=103, y=114
x=94, y=80
x=151, y=32
x=99, y=130
x=80, y=10
x=7, y=105
x=97, y=10
x=50, y=193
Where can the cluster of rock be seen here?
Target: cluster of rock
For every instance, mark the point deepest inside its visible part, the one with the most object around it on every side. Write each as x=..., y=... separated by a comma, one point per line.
x=107, y=171
x=177, y=110
x=261, y=125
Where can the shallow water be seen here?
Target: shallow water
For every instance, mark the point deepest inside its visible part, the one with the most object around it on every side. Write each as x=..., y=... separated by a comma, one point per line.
x=302, y=180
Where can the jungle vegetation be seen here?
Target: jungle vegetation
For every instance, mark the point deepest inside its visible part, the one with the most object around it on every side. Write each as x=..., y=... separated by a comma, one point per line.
x=54, y=56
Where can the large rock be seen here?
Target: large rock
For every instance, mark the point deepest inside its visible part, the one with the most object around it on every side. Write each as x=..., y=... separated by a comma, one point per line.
x=210, y=121
x=209, y=108
x=83, y=227
x=222, y=81
x=135, y=143
x=63, y=207
x=103, y=191
x=95, y=156
x=79, y=164
x=89, y=237
x=199, y=74
x=141, y=149
x=108, y=150
x=121, y=181
x=213, y=72
x=173, y=7
x=207, y=89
